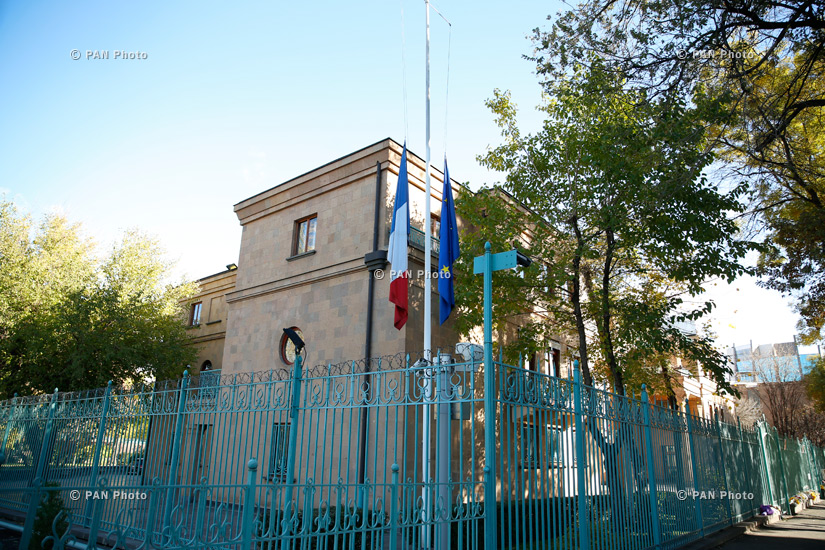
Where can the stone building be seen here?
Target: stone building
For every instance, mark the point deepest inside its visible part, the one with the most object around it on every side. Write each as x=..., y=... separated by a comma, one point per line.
x=306, y=251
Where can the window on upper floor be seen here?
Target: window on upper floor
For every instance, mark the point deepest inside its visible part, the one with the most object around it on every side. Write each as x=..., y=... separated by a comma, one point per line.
x=195, y=314
x=304, y=235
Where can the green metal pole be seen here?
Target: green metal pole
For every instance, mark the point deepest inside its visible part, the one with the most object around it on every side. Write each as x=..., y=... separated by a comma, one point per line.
x=98, y=448
x=809, y=452
x=249, y=506
x=746, y=455
x=176, y=443
x=293, y=445
x=722, y=463
x=581, y=461
x=394, y=542
x=766, y=465
x=697, y=504
x=97, y=512
x=34, y=504
x=782, y=467
x=651, y=473
x=490, y=520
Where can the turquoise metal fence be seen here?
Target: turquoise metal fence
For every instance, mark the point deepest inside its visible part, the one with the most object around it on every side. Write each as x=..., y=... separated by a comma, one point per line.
x=331, y=457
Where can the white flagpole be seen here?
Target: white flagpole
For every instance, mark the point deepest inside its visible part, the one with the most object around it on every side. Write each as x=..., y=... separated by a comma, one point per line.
x=428, y=245
x=425, y=446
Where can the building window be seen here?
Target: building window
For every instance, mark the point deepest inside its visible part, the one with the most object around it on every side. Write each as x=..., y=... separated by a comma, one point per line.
x=435, y=225
x=541, y=450
x=278, y=452
x=195, y=314
x=669, y=459
x=304, y=235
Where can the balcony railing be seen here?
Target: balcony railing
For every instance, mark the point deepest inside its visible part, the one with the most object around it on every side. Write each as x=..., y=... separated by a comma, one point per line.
x=416, y=240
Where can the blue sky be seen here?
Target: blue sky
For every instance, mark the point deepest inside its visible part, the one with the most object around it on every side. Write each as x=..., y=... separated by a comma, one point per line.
x=232, y=99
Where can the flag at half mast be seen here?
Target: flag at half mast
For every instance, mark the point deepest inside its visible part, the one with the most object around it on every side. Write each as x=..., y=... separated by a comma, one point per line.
x=448, y=252
x=397, y=253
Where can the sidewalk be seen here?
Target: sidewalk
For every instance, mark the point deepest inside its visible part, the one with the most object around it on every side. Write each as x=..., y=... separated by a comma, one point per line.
x=803, y=532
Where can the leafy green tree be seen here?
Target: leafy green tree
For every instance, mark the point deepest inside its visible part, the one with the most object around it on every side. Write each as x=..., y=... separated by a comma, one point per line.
x=815, y=385
x=618, y=177
x=71, y=321
x=761, y=64
x=787, y=175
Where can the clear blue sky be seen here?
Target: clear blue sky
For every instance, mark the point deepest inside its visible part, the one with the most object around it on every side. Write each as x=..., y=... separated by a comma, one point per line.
x=234, y=98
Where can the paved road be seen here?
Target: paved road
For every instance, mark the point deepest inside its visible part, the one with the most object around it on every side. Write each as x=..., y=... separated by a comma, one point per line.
x=803, y=532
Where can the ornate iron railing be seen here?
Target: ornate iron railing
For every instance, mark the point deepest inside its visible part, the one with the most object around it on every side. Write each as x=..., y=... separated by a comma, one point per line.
x=333, y=459
x=417, y=240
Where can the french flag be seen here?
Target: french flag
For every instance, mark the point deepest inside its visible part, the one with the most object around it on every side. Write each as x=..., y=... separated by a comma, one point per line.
x=397, y=253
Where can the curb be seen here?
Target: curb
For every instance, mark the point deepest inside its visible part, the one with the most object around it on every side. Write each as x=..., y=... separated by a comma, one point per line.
x=729, y=533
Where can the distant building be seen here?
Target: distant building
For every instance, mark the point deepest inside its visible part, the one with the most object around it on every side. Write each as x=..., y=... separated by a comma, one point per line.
x=779, y=362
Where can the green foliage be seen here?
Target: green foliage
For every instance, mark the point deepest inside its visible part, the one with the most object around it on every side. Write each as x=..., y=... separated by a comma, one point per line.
x=622, y=221
x=70, y=320
x=757, y=70
x=51, y=505
x=815, y=385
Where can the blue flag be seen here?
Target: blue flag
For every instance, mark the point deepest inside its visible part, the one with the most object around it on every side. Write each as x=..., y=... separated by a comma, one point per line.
x=449, y=251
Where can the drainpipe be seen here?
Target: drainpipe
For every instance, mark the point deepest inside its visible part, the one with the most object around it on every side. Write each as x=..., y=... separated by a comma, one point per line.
x=377, y=259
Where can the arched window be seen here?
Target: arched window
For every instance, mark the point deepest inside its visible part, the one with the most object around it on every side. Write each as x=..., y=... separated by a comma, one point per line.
x=207, y=365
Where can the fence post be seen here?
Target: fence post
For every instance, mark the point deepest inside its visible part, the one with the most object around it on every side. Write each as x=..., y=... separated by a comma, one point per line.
x=697, y=504
x=248, y=522
x=98, y=447
x=810, y=455
x=34, y=504
x=293, y=445
x=815, y=463
x=746, y=455
x=782, y=467
x=394, y=509
x=176, y=443
x=722, y=461
x=651, y=471
x=581, y=461
x=766, y=465
x=97, y=511
x=8, y=429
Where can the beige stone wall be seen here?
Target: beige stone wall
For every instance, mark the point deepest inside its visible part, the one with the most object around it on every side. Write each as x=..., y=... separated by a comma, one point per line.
x=208, y=336
x=325, y=293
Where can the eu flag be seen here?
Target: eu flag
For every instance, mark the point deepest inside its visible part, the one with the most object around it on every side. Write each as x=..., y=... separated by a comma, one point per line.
x=449, y=251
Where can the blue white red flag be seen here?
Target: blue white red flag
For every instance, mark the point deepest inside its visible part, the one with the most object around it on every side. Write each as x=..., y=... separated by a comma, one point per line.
x=397, y=253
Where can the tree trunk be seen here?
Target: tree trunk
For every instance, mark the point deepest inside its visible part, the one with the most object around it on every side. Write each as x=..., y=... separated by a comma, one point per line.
x=671, y=395
x=607, y=339
x=575, y=297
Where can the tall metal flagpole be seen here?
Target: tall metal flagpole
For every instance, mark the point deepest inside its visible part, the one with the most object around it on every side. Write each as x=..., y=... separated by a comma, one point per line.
x=425, y=447
x=428, y=245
